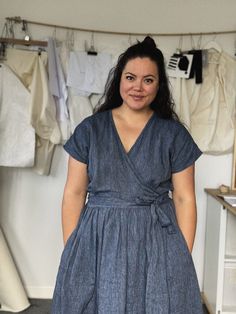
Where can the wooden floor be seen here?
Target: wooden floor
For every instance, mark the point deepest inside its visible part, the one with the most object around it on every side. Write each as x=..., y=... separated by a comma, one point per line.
x=39, y=306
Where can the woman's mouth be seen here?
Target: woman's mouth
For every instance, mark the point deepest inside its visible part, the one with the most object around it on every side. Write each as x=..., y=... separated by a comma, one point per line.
x=137, y=97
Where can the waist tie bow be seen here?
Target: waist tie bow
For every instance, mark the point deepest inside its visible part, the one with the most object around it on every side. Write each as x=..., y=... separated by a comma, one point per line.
x=158, y=213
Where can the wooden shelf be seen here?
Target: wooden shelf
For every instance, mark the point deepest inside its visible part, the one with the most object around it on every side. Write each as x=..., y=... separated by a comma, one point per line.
x=215, y=193
x=219, y=279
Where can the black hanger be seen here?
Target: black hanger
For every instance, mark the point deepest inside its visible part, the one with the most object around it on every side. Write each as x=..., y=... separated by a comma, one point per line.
x=91, y=51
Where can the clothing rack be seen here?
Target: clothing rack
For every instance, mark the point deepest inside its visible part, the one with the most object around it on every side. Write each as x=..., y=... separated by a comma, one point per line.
x=16, y=41
x=18, y=19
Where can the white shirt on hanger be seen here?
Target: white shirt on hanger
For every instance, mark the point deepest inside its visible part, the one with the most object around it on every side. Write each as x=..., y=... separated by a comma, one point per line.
x=17, y=136
x=87, y=74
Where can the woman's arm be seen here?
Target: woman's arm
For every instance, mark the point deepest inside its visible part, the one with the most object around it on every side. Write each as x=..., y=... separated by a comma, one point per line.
x=74, y=197
x=185, y=203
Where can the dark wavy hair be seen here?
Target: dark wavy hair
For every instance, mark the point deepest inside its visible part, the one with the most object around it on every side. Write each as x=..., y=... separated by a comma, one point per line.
x=162, y=104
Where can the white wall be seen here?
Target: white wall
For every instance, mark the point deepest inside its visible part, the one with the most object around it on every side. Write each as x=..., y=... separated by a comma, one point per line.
x=29, y=203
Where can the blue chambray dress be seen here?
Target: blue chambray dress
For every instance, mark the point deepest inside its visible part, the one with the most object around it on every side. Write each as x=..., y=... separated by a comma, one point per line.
x=127, y=254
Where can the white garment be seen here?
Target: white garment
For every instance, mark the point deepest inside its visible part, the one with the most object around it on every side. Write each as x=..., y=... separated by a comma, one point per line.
x=209, y=108
x=87, y=74
x=57, y=82
x=80, y=107
x=58, y=89
x=182, y=102
x=17, y=136
x=53, y=69
x=30, y=67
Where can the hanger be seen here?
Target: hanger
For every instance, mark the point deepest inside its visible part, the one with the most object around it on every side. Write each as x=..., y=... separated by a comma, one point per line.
x=70, y=40
x=212, y=44
x=91, y=50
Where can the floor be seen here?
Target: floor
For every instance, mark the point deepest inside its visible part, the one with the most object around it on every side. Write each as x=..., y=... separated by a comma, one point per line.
x=38, y=306
x=43, y=307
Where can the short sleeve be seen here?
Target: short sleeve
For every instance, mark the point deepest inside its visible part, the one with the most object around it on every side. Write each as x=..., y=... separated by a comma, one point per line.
x=78, y=144
x=184, y=151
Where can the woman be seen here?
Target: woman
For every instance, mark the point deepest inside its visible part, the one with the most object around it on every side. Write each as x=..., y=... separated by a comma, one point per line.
x=128, y=250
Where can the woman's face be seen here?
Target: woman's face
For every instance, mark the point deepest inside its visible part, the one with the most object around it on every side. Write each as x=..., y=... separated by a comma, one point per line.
x=139, y=83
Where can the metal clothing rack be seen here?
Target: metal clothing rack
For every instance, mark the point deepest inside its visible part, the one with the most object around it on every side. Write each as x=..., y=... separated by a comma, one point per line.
x=18, y=19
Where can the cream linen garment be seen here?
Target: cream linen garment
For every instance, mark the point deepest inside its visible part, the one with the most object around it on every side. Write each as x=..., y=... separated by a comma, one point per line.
x=30, y=67
x=208, y=109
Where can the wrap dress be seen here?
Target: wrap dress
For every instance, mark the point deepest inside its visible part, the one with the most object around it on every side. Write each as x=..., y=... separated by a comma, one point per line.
x=127, y=254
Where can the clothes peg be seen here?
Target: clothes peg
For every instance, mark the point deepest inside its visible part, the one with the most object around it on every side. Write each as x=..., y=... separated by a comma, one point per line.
x=92, y=50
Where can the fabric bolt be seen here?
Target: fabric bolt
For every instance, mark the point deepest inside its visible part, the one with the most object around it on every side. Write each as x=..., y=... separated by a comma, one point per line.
x=12, y=294
x=17, y=136
x=208, y=109
x=127, y=253
x=87, y=74
x=30, y=67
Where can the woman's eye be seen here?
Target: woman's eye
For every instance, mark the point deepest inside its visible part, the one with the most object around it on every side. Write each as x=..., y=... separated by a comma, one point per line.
x=129, y=77
x=148, y=80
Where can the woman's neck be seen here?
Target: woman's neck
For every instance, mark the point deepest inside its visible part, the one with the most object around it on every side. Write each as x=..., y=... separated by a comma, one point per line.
x=125, y=113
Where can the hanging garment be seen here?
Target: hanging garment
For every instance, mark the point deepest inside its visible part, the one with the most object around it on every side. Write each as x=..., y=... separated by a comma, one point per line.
x=213, y=112
x=127, y=253
x=180, y=65
x=180, y=92
x=58, y=88
x=30, y=67
x=87, y=74
x=80, y=107
x=209, y=108
x=196, y=68
x=17, y=136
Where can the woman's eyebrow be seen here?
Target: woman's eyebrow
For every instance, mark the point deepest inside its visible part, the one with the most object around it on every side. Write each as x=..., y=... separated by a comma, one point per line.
x=130, y=73
x=148, y=75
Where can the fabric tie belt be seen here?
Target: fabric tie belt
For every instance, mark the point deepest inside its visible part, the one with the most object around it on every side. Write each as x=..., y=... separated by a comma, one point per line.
x=155, y=204
x=158, y=213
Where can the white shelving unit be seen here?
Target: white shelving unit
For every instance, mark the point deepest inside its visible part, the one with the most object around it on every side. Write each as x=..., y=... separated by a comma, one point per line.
x=219, y=282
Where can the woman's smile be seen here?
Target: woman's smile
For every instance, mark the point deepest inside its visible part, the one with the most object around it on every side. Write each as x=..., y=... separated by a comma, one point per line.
x=139, y=83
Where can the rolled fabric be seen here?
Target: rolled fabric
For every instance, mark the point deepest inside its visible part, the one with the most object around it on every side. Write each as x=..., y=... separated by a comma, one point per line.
x=12, y=294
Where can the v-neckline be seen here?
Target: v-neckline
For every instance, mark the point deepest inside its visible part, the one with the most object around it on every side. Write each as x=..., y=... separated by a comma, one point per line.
x=137, y=139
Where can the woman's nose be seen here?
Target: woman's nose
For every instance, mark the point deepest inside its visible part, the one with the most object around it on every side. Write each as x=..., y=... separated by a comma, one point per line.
x=138, y=84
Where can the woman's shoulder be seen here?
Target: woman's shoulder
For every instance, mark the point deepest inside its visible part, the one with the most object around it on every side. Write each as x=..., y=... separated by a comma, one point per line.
x=172, y=127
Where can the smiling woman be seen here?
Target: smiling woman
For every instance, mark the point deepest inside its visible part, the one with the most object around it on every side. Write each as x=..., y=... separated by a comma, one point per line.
x=139, y=84
x=138, y=88
x=128, y=249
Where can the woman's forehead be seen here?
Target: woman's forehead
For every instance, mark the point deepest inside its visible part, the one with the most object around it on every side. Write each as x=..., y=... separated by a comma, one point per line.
x=141, y=65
